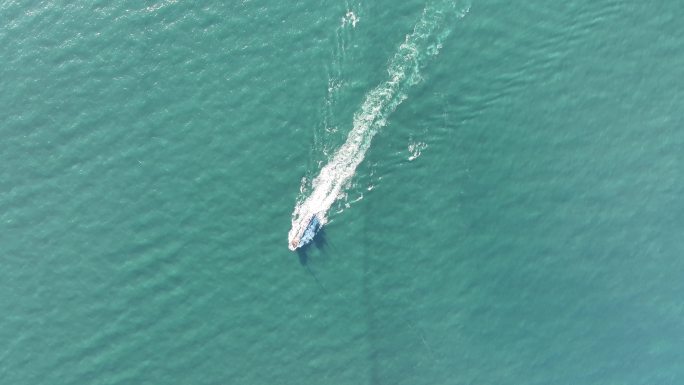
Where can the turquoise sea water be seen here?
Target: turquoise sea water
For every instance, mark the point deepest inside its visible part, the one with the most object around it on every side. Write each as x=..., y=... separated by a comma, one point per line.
x=517, y=219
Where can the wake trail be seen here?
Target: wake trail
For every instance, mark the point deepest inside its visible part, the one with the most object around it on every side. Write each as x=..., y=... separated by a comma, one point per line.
x=404, y=67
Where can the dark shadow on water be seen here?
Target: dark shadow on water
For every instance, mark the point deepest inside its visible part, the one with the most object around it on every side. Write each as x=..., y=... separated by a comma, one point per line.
x=303, y=257
x=320, y=243
x=320, y=240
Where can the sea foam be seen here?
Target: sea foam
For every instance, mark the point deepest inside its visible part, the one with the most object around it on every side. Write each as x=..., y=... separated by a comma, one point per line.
x=435, y=24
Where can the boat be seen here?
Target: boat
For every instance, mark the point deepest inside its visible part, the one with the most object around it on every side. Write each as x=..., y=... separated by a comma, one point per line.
x=308, y=235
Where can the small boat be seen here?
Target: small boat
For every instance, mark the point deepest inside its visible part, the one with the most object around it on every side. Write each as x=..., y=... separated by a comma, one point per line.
x=308, y=235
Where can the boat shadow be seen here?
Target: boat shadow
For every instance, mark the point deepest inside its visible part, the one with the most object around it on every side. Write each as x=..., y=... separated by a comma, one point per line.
x=319, y=242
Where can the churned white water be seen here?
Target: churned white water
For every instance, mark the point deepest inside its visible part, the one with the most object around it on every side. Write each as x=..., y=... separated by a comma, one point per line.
x=435, y=24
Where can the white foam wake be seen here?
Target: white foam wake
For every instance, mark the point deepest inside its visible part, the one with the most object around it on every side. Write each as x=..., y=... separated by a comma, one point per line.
x=404, y=71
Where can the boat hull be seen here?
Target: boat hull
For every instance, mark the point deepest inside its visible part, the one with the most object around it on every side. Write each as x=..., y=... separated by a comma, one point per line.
x=308, y=234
